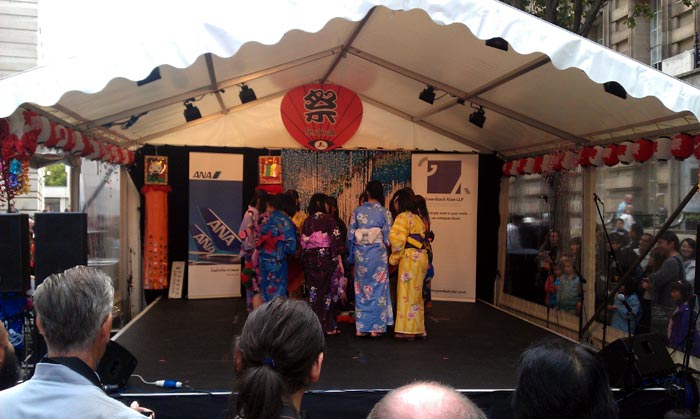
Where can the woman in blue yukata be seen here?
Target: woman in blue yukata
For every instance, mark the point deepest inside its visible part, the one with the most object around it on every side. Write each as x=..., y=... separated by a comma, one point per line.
x=277, y=240
x=368, y=238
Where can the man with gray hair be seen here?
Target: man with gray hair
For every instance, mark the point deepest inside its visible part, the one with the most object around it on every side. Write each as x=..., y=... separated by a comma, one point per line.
x=425, y=399
x=74, y=314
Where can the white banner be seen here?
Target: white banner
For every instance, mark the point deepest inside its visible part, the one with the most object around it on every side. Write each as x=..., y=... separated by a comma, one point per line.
x=216, y=184
x=449, y=183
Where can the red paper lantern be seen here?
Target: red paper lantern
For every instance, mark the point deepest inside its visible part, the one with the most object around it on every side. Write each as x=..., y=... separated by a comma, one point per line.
x=610, y=157
x=697, y=147
x=321, y=117
x=682, y=146
x=585, y=156
x=529, y=165
x=557, y=161
x=642, y=150
x=506, y=168
x=624, y=152
x=521, y=166
x=537, y=166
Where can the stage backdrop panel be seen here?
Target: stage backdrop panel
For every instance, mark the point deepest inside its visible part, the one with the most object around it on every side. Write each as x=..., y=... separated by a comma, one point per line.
x=449, y=183
x=216, y=184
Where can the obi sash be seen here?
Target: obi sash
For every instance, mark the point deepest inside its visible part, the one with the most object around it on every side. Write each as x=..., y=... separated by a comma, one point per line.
x=369, y=235
x=316, y=240
x=415, y=241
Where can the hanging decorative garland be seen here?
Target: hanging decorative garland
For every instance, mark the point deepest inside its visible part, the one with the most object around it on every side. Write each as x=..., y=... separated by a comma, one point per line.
x=681, y=147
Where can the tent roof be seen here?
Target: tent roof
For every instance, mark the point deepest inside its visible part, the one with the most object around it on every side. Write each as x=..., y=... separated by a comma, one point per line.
x=544, y=93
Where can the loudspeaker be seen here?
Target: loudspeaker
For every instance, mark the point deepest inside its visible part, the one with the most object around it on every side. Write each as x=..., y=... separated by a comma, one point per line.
x=631, y=360
x=14, y=252
x=116, y=366
x=60, y=242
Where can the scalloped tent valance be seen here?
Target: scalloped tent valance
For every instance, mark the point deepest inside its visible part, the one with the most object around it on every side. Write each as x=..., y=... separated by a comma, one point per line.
x=543, y=94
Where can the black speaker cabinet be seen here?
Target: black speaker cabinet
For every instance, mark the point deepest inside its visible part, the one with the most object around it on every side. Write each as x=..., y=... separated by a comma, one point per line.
x=116, y=366
x=631, y=360
x=60, y=242
x=14, y=252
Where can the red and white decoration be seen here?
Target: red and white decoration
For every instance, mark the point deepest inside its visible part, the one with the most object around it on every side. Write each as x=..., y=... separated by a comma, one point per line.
x=681, y=147
x=34, y=129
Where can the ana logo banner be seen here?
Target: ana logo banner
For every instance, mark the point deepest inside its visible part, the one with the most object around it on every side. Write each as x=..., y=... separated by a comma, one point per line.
x=321, y=117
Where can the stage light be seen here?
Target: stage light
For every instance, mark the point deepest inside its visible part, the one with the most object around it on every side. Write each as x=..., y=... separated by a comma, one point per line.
x=478, y=117
x=247, y=94
x=615, y=89
x=498, y=43
x=427, y=95
x=191, y=112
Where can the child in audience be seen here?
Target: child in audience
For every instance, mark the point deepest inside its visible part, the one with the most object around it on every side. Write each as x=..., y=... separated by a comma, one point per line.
x=619, y=311
x=569, y=284
x=681, y=292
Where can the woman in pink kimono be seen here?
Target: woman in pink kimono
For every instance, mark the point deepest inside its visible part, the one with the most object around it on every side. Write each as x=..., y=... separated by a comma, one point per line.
x=408, y=251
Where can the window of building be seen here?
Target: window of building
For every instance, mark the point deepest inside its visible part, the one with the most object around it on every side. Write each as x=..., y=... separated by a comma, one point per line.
x=656, y=35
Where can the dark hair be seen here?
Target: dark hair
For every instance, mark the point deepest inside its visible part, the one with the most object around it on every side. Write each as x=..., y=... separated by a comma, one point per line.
x=9, y=371
x=278, y=346
x=406, y=200
x=288, y=205
x=684, y=287
x=637, y=229
x=690, y=242
x=375, y=190
x=332, y=203
x=557, y=379
x=294, y=194
x=317, y=203
x=422, y=207
x=259, y=200
x=671, y=237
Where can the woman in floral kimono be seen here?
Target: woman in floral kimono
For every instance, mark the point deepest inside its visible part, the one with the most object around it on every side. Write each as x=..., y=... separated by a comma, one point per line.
x=322, y=247
x=408, y=251
x=277, y=240
x=368, y=237
x=249, y=232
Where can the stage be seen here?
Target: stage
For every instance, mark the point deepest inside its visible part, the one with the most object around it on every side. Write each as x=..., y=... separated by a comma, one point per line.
x=472, y=347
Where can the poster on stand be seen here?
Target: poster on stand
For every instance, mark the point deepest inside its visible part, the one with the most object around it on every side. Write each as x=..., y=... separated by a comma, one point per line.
x=449, y=184
x=216, y=193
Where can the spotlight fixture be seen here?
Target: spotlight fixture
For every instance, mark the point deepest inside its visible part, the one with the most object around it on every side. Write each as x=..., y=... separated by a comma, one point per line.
x=615, y=89
x=191, y=112
x=498, y=43
x=247, y=94
x=478, y=117
x=427, y=95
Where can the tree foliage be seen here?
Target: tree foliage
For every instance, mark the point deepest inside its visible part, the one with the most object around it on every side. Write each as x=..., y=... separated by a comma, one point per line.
x=578, y=16
x=56, y=175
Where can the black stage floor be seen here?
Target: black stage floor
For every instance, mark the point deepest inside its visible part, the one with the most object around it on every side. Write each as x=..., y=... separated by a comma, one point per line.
x=470, y=346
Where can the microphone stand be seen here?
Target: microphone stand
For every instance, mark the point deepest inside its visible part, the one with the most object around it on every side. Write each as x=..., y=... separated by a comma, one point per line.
x=581, y=300
x=611, y=255
x=642, y=255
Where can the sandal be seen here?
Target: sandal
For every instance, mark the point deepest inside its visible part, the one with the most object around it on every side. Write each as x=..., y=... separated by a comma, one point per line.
x=376, y=334
x=361, y=334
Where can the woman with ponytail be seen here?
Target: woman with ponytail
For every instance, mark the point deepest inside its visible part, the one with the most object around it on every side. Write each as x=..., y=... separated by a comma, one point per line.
x=277, y=356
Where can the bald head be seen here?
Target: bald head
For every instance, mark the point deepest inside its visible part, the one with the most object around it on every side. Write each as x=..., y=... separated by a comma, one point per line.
x=425, y=399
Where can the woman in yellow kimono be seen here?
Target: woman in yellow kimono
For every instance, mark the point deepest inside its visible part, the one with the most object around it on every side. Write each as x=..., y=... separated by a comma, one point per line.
x=407, y=238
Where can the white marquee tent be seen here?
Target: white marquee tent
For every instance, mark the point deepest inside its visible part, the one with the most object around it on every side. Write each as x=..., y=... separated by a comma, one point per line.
x=545, y=93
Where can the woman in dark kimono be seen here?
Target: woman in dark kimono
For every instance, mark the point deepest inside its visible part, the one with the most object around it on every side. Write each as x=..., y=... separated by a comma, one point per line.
x=322, y=249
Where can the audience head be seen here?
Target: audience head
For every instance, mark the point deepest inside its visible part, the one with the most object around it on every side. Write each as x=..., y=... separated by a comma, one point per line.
x=404, y=200
x=575, y=246
x=669, y=242
x=424, y=399
x=657, y=256
x=278, y=354
x=562, y=380
x=619, y=224
x=687, y=249
x=628, y=199
x=375, y=190
x=317, y=203
x=9, y=369
x=74, y=310
x=332, y=204
x=681, y=291
x=636, y=231
x=645, y=241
